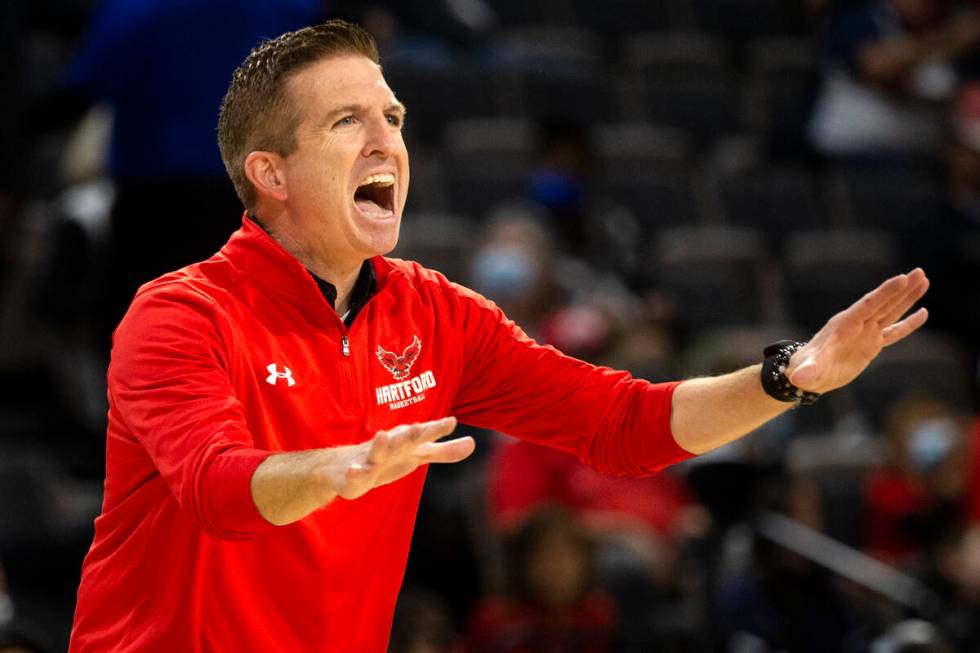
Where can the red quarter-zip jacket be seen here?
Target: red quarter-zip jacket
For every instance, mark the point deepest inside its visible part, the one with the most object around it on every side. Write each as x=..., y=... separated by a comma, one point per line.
x=220, y=364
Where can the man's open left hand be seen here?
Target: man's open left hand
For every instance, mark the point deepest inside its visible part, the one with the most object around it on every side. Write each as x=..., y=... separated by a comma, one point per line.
x=847, y=344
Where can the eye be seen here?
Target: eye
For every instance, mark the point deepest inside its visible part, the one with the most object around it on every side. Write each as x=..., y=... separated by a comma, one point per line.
x=394, y=119
x=346, y=121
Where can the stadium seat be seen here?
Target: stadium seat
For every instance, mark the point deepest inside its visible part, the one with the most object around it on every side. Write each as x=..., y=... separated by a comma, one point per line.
x=551, y=49
x=678, y=54
x=712, y=274
x=615, y=18
x=428, y=188
x=825, y=271
x=683, y=80
x=435, y=96
x=740, y=21
x=640, y=145
x=776, y=199
x=547, y=73
x=545, y=13
x=925, y=363
x=782, y=81
x=581, y=96
x=898, y=198
x=440, y=241
x=488, y=161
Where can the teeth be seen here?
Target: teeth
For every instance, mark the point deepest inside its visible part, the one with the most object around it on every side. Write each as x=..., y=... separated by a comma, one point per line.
x=382, y=179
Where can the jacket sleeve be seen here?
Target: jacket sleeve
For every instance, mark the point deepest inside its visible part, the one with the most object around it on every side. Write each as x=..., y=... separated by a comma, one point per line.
x=509, y=383
x=169, y=387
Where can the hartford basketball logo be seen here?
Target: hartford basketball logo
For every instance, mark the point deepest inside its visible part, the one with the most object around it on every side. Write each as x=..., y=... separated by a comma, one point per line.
x=399, y=366
x=407, y=391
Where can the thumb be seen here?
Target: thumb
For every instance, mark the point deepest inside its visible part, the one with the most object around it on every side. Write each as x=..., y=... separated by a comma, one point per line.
x=805, y=376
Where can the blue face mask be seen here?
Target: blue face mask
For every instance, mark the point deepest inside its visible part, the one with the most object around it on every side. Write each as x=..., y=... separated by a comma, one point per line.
x=931, y=441
x=503, y=273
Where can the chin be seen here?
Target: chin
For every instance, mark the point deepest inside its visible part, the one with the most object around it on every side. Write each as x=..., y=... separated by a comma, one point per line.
x=379, y=244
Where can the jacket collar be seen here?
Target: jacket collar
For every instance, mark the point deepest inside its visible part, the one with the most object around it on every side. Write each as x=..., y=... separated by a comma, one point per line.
x=256, y=255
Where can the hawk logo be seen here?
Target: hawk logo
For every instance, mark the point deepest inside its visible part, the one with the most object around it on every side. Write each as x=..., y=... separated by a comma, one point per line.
x=399, y=366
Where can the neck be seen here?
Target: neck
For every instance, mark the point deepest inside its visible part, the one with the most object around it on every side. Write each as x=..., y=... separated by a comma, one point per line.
x=317, y=257
x=343, y=282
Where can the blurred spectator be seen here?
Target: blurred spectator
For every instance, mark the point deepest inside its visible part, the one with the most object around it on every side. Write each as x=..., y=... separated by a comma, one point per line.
x=958, y=584
x=560, y=181
x=911, y=636
x=912, y=501
x=963, y=157
x=16, y=634
x=419, y=30
x=640, y=526
x=889, y=66
x=973, y=474
x=579, y=330
x=552, y=605
x=950, y=246
x=20, y=638
x=515, y=267
x=782, y=601
x=523, y=477
x=163, y=67
x=422, y=624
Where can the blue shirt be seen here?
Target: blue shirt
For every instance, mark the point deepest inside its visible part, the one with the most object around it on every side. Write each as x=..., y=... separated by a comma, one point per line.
x=163, y=66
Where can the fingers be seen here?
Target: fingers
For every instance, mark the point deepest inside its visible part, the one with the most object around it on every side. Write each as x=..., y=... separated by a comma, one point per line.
x=421, y=432
x=451, y=451
x=896, y=332
x=892, y=299
x=405, y=439
x=879, y=299
x=918, y=285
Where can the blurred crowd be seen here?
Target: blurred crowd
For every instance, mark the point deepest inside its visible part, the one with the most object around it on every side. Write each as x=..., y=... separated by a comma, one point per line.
x=659, y=186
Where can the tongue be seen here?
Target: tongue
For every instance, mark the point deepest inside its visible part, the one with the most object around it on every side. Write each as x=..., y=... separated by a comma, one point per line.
x=367, y=206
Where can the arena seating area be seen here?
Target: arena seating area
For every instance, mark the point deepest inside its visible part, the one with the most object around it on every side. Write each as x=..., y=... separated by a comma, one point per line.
x=636, y=184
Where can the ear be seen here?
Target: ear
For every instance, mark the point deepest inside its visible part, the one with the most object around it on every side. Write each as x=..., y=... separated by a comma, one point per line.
x=266, y=172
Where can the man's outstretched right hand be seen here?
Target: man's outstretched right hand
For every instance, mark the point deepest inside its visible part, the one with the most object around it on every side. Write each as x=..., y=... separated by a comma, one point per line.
x=395, y=453
x=287, y=487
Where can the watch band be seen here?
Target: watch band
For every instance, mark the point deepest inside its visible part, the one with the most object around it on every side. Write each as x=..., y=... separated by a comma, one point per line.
x=774, y=380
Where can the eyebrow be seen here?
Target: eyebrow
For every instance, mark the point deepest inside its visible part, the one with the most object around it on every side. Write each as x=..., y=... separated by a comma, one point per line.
x=395, y=106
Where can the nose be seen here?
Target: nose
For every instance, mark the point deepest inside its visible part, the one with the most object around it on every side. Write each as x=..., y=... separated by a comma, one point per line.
x=382, y=138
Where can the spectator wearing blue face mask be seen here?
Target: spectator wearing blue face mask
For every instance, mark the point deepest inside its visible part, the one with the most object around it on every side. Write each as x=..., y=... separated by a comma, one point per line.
x=515, y=267
x=918, y=494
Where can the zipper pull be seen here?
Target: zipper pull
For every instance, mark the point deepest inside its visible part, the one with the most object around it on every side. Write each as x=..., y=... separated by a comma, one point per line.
x=345, y=345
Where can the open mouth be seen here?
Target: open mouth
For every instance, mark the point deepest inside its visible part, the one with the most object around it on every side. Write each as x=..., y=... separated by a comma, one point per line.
x=375, y=197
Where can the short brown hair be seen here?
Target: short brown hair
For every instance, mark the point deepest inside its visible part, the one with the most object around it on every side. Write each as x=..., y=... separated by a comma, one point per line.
x=256, y=113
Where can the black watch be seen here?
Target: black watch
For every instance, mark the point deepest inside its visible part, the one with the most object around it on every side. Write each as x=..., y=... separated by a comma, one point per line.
x=774, y=380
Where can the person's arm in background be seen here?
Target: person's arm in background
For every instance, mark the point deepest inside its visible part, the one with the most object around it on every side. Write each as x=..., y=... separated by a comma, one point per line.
x=709, y=412
x=887, y=62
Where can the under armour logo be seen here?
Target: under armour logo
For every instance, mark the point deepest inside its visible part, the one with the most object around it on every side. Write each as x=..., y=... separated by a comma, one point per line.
x=275, y=375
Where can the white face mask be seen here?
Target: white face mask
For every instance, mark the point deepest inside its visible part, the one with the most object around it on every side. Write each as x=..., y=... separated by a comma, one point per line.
x=931, y=441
